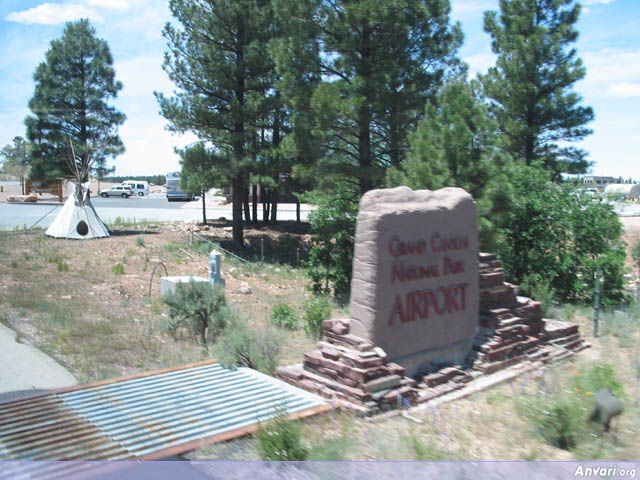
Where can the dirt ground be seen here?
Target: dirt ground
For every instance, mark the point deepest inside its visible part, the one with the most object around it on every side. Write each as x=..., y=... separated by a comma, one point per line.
x=66, y=298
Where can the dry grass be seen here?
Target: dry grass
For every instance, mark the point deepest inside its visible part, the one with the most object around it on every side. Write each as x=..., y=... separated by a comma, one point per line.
x=101, y=325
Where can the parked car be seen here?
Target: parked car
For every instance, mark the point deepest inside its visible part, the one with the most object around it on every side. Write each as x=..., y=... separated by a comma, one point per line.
x=117, y=191
x=138, y=187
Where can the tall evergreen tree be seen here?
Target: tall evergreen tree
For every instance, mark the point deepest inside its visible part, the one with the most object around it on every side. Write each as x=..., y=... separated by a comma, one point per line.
x=530, y=88
x=455, y=146
x=218, y=60
x=200, y=173
x=70, y=104
x=15, y=159
x=367, y=67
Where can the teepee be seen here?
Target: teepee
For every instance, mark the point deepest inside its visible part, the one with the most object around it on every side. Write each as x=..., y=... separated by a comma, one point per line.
x=78, y=219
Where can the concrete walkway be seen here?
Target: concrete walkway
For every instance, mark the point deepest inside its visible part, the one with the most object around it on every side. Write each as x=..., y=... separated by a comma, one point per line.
x=24, y=367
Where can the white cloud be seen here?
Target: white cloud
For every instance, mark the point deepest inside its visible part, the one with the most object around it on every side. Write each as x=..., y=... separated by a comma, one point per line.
x=111, y=4
x=480, y=62
x=624, y=90
x=596, y=2
x=461, y=8
x=51, y=14
x=612, y=73
x=141, y=75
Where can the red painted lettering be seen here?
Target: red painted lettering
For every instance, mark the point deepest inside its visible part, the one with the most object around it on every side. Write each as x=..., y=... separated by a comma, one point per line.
x=398, y=248
x=397, y=311
x=417, y=305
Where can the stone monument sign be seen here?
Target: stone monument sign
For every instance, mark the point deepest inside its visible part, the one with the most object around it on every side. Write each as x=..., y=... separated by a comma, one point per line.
x=414, y=290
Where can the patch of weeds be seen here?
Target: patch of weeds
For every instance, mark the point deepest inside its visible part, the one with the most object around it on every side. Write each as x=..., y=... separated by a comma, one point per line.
x=52, y=256
x=131, y=252
x=156, y=305
x=118, y=269
x=560, y=417
x=423, y=450
x=539, y=288
x=200, y=246
x=567, y=312
x=4, y=320
x=14, y=264
x=620, y=325
x=283, y=315
x=124, y=260
x=59, y=317
x=495, y=398
x=120, y=222
x=27, y=257
x=530, y=456
x=140, y=242
x=28, y=301
x=560, y=420
x=199, y=308
x=280, y=440
x=315, y=311
x=173, y=246
x=597, y=377
x=242, y=345
x=62, y=266
x=330, y=449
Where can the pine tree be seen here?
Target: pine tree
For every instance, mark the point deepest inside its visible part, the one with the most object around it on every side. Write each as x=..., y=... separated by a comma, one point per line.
x=200, y=173
x=220, y=64
x=530, y=86
x=367, y=67
x=454, y=146
x=70, y=104
x=16, y=159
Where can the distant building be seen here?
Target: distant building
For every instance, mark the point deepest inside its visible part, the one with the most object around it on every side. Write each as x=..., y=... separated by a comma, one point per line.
x=629, y=191
x=597, y=181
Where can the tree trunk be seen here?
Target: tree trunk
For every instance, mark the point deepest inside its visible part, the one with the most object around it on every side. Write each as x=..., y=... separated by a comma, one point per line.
x=254, y=193
x=297, y=210
x=245, y=204
x=204, y=208
x=274, y=208
x=238, y=233
x=265, y=206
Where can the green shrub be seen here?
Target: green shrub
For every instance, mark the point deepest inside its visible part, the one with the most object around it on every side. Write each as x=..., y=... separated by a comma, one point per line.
x=562, y=237
x=199, y=307
x=595, y=378
x=424, y=450
x=14, y=264
x=635, y=252
x=118, y=269
x=333, y=226
x=282, y=315
x=241, y=345
x=280, y=439
x=140, y=242
x=559, y=419
x=315, y=311
x=539, y=288
x=62, y=266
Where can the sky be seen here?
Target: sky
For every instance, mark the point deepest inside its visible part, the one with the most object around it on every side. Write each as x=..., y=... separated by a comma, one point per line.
x=609, y=45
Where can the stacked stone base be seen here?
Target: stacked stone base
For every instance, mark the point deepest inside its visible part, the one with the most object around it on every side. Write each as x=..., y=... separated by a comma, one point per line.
x=512, y=327
x=511, y=330
x=353, y=371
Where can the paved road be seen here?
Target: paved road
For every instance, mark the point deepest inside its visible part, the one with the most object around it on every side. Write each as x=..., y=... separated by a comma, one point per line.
x=154, y=207
x=24, y=367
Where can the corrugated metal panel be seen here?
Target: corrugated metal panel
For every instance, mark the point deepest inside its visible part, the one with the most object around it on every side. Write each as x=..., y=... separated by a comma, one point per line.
x=147, y=416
